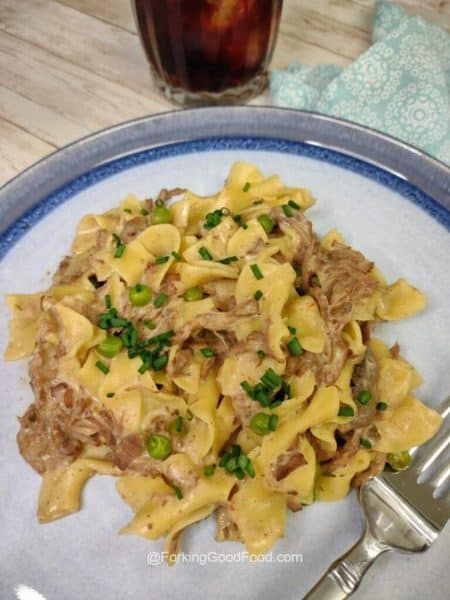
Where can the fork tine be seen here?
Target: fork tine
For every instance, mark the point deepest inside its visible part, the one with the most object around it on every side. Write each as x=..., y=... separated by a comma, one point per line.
x=425, y=456
x=418, y=484
x=440, y=477
x=444, y=408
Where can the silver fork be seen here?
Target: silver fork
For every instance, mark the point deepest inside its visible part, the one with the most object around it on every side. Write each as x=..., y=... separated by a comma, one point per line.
x=399, y=514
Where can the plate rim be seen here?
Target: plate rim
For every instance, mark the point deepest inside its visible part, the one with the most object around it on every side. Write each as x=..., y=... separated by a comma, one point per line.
x=58, y=169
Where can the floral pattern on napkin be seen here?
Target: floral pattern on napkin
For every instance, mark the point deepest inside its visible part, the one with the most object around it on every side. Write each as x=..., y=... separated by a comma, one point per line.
x=401, y=85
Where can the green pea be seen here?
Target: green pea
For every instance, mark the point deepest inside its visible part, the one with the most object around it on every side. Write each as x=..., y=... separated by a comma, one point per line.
x=110, y=346
x=161, y=214
x=364, y=397
x=193, y=294
x=399, y=460
x=159, y=446
x=260, y=423
x=208, y=470
x=140, y=295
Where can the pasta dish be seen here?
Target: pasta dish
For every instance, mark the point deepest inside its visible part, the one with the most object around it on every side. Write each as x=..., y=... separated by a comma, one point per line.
x=216, y=356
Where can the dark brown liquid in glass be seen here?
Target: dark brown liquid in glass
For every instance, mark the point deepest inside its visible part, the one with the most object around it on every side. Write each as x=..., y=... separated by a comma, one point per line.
x=207, y=45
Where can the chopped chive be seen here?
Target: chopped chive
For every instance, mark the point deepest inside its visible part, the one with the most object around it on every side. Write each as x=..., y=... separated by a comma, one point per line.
x=239, y=473
x=266, y=223
x=144, y=367
x=160, y=362
x=292, y=330
x=176, y=255
x=247, y=388
x=117, y=239
x=178, y=492
x=287, y=210
x=295, y=347
x=261, y=354
x=133, y=336
x=258, y=295
x=288, y=391
x=176, y=426
x=381, y=406
x=108, y=302
x=294, y=205
x=224, y=459
x=160, y=300
x=237, y=219
x=256, y=271
x=127, y=210
x=246, y=187
x=232, y=464
x=250, y=469
x=102, y=367
x=103, y=322
x=364, y=397
x=119, y=251
x=262, y=397
x=208, y=470
x=235, y=450
x=346, y=411
x=149, y=324
x=228, y=260
x=161, y=260
x=213, y=219
x=273, y=405
x=273, y=377
x=204, y=253
x=244, y=226
x=242, y=461
x=207, y=352
x=162, y=338
x=273, y=422
x=365, y=443
x=144, y=212
x=110, y=394
x=118, y=322
x=257, y=202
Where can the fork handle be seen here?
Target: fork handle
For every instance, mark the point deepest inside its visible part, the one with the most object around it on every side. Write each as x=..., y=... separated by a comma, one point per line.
x=345, y=574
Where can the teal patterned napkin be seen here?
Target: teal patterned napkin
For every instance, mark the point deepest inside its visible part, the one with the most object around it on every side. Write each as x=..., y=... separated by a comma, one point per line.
x=401, y=85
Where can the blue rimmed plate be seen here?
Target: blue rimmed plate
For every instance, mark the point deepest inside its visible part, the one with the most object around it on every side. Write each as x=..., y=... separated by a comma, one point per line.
x=388, y=200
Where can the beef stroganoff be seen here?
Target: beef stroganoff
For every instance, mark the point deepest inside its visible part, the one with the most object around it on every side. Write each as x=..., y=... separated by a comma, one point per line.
x=216, y=356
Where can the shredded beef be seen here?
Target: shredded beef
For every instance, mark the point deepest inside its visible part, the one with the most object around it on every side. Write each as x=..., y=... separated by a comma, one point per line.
x=132, y=228
x=375, y=468
x=129, y=448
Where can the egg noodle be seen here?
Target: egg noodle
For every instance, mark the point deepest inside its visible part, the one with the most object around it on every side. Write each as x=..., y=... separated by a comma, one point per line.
x=216, y=356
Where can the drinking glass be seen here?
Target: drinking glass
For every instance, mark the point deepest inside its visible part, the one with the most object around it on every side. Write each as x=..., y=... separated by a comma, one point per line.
x=208, y=51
